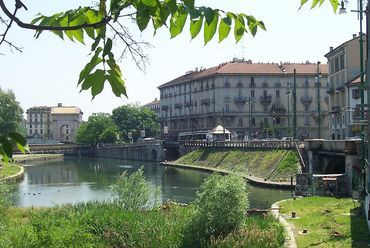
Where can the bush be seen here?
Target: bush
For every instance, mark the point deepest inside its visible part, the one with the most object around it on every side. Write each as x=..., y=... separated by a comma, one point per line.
x=132, y=192
x=219, y=209
x=6, y=195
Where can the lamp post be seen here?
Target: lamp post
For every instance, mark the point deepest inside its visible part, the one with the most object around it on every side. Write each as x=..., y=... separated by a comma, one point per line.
x=288, y=96
x=318, y=84
x=294, y=105
x=250, y=102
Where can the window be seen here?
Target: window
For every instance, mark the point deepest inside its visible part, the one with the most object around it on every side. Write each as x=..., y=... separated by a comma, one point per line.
x=252, y=82
x=227, y=108
x=30, y=126
x=264, y=93
x=341, y=62
x=265, y=121
x=240, y=121
x=253, y=121
x=306, y=107
x=355, y=93
x=307, y=120
x=306, y=84
x=41, y=131
x=252, y=93
x=277, y=93
x=332, y=66
x=226, y=84
x=265, y=108
x=336, y=64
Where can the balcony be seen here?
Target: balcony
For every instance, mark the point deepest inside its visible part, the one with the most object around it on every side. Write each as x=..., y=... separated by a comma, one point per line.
x=264, y=85
x=240, y=100
x=206, y=101
x=330, y=90
x=306, y=99
x=165, y=108
x=277, y=110
x=188, y=104
x=335, y=109
x=277, y=85
x=266, y=99
x=178, y=105
x=340, y=87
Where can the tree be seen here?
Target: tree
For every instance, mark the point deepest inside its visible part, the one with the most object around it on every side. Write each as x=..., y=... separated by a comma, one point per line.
x=99, y=128
x=134, y=118
x=10, y=119
x=10, y=112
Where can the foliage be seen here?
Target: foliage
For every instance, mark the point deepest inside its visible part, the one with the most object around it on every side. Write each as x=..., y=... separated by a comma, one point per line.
x=133, y=192
x=220, y=208
x=98, y=129
x=9, y=169
x=10, y=112
x=6, y=196
x=331, y=222
x=134, y=118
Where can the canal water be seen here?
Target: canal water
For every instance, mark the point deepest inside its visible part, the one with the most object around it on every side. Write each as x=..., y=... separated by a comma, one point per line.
x=74, y=180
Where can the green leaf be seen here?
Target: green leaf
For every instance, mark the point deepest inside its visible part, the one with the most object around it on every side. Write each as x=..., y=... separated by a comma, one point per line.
x=335, y=4
x=239, y=28
x=195, y=27
x=189, y=3
x=314, y=3
x=95, y=60
x=209, y=15
x=117, y=84
x=96, y=42
x=152, y=3
x=142, y=17
x=177, y=21
x=224, y=28
x=172, y=5
x=107, y=47
x=210, y=28
x=114, y=67
x=6, y=147
x=98, y=78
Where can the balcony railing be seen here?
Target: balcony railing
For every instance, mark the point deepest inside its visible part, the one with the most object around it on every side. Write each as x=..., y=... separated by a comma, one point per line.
x=306, y=99
x=266, y=99
x=178, y=105
x=330, y=90
x=206, y=101
x=340, y=87
x=335, y=109
x=240, y=100
x=165, y=107
x=264, y=85
x=277, y=85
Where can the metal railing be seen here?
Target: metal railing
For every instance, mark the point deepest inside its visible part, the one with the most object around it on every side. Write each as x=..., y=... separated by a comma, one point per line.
x=243, y=144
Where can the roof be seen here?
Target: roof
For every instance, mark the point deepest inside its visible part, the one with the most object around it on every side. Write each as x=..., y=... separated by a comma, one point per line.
x=356, y=81
x=65, y=110
x=155, y=101
x=249, y=68
x=219, y=130
x=344, y=44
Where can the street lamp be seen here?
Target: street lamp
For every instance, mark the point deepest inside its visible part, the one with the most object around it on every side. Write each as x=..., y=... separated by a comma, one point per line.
x=288, y=96
x=318, y=84
x=250, y=102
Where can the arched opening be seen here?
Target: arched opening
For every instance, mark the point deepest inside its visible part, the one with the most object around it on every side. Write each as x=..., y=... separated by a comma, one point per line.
x=335, y=165
x=64, y=133
x=153, y=155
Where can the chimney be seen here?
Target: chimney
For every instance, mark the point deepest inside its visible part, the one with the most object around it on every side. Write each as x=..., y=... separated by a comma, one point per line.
x=331, y=48
x=354, y=36
x=59, y=104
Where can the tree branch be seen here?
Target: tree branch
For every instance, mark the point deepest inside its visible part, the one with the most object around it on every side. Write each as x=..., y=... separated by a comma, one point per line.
x=21, y=24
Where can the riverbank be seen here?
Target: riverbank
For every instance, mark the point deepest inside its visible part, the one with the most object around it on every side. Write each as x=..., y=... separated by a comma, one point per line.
x=273, y=168
x=12, y=172
x=326, y=222
x=22, y=158
x=106, y=225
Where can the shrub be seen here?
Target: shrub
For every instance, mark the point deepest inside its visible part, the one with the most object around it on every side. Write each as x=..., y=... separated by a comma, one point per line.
x=132, y=192
x=6, y=195
x=219, y=209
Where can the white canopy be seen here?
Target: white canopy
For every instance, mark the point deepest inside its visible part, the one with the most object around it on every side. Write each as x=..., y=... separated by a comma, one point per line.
x=219, y=130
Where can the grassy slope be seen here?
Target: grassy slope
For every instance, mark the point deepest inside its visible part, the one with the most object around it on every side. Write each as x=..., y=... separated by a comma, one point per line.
x=104, y=225
x=330, y=222
x=272, y=165
x=9, y=169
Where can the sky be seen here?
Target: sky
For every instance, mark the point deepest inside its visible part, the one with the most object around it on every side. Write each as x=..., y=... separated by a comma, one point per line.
x=47, y=70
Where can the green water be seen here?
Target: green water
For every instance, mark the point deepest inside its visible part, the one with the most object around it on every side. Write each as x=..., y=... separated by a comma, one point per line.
x=85, y=179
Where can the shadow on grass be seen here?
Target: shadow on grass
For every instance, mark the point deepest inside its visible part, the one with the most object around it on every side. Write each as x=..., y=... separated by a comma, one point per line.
x=359, y=229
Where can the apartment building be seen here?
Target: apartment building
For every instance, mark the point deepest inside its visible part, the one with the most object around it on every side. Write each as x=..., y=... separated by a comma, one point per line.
x=252, y=100
x=154, y=106
x=344, y=88
x=47, y=124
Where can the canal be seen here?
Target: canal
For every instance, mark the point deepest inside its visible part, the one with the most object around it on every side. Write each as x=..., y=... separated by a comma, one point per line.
x=74, y=180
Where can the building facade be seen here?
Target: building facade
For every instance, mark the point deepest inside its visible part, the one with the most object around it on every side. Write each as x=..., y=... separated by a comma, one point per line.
x=53, y=124
x=154, y=106
x=344, y=88
x=252, y=100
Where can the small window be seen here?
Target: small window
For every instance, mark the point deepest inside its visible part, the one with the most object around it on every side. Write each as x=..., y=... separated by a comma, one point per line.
x=252, y=93
x=30, y=131
x=341, y=62
x=252, y=82
x=227, y=108
x=253, y=121
x=240, y=121
x=264, y=93
x=277, y=93
x=355, y=93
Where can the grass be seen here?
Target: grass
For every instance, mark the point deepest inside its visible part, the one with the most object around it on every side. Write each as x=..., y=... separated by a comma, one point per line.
x=330, y=222
x=9, y=169
x=19, y=157
x=275, y=165
x=106, y=225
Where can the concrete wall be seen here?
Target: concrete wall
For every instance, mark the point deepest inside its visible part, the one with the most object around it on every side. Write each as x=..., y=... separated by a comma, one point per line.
x=133, y=152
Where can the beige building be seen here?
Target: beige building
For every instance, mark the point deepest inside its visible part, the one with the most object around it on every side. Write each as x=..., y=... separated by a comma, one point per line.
x=53, y=124
x=154, y=106
x=344, y=88
x=249, y=99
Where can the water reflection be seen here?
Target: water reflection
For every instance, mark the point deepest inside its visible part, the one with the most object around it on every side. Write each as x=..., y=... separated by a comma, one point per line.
x=84, y=179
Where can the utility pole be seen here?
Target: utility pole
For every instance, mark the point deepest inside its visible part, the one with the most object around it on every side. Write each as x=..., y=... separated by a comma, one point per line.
x=288, y=95
x=318, y=84
x=294, y=105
